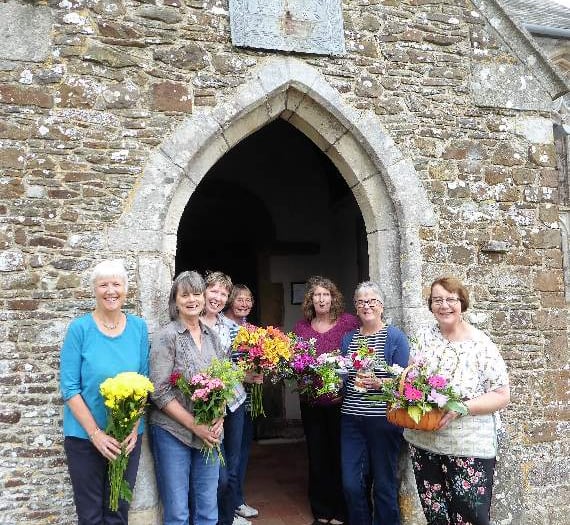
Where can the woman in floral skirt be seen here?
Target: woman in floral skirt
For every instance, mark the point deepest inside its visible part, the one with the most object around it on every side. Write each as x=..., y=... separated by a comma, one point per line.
x=454, y=466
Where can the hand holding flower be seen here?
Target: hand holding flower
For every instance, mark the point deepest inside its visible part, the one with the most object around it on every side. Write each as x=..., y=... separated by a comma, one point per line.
x=206, y=434
x=107, y=445
x=130, y=441
x=253, y=377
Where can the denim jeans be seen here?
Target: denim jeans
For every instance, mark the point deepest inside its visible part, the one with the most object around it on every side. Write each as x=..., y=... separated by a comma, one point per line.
x=88, y=471
x=183, y=474
x=247, y=438
x=229, y=475
x=370, y=449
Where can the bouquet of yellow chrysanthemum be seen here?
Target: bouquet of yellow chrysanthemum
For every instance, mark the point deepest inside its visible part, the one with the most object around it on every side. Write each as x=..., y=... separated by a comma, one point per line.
x=263, y=351
x=125, y=397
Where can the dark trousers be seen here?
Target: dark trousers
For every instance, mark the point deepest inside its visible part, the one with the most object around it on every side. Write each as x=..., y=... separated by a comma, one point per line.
x=247, y=438
x=322, y=433
x=370, y=448
x=88, y=472
x=229, y=474
x=453, y=489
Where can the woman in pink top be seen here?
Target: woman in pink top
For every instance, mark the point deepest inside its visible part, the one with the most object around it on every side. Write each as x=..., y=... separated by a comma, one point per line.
x=325, y=321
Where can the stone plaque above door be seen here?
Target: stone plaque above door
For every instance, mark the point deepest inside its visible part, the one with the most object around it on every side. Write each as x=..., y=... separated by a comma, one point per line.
x=304, y=26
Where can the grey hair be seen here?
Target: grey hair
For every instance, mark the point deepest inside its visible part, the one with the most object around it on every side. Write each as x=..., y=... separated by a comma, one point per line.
x=110, y=268
x=190, y=282
x=374, y=287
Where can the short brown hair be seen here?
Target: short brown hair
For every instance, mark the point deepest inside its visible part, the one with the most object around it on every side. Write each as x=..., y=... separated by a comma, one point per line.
x=452, y=285
x=337, y=301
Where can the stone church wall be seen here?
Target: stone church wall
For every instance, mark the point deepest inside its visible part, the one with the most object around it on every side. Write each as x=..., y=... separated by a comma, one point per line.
x=90, y=89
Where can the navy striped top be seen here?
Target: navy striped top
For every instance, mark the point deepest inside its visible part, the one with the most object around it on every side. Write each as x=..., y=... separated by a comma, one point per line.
x=356, y=403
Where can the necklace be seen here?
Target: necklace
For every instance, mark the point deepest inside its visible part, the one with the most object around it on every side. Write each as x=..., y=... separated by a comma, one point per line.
x=112, y=326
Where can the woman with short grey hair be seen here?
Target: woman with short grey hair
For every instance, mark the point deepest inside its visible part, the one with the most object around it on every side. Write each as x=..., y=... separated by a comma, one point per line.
x=188, y=346
x=370, y=445
x=97, y=346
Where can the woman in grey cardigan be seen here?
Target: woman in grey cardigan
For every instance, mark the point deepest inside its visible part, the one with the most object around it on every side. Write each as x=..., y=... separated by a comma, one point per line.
x=183, y=472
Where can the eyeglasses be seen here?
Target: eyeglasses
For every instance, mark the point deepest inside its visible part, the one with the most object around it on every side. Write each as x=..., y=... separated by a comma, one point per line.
x=372, y=303
x=451, y=301
x=243, y=300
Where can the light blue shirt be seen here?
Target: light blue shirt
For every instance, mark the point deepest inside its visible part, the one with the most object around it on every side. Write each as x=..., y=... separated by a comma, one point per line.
x=88, y=357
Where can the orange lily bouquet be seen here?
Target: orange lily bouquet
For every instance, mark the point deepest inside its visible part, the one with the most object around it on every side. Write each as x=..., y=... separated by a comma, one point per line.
x=263, y=351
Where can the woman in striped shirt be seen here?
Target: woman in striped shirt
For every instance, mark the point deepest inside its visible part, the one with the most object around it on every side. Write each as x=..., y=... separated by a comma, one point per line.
x=370, y=445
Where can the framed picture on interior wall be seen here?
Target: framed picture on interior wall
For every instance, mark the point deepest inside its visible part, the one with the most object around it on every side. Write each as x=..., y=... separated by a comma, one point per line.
x=298, y=292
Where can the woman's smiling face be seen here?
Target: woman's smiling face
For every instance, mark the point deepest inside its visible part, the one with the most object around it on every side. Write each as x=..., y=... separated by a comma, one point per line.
x=216, y=298
x=110, y=293
x=242, y=305
x=189, y=304
x=447, y=315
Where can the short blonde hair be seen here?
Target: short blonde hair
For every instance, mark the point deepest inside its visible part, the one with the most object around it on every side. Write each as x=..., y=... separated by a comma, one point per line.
x=220, y=278
x=110, y=268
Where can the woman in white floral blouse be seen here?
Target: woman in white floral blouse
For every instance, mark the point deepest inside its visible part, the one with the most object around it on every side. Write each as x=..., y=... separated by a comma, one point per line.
x=454, y=466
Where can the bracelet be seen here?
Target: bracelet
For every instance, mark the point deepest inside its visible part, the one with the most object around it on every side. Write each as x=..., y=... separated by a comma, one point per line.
x=92, y=435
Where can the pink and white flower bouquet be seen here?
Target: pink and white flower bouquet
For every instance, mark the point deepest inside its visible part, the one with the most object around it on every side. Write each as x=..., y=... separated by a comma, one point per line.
x=209, y=391
x=419, y=390
x=319, y=378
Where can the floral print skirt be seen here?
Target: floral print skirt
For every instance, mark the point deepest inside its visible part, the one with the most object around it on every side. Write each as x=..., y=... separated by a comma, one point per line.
x=453, y=490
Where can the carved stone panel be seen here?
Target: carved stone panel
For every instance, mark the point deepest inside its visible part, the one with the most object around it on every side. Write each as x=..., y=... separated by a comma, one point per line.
x=304, y=26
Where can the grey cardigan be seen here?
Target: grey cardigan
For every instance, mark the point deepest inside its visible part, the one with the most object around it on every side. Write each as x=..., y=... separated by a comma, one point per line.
x=174, y=350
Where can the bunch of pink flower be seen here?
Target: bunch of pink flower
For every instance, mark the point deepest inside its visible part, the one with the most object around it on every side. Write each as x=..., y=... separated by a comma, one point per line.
x=418, y=390
x=209, y=395
x=318, y=377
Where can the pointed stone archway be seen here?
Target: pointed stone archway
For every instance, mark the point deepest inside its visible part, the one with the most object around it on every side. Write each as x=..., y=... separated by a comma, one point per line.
x=387, y=189
x=386, y=186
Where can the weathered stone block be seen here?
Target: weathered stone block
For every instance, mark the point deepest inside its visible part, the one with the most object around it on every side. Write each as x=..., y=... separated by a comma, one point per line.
x=191, y=56
x=108, y=55
x=11, y=260
x=544, y=239
x=508, y=155
x=464, y=149
x=25, y=31
x=171, y=96
x=167, y=15
x=23, y=304
x=542, y=155
x=25, y=96
x=549, y=281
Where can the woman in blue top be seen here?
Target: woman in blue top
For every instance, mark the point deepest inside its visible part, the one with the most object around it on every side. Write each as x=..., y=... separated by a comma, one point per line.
x=97, y=346
x=370, y=445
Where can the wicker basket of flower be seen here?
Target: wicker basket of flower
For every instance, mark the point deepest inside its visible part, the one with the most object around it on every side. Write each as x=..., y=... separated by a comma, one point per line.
x=418, y=398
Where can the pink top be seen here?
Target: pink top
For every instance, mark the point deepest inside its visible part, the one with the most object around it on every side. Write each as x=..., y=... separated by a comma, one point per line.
x=330, y=340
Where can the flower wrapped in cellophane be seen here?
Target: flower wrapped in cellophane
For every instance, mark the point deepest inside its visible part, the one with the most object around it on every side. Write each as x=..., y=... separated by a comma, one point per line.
x=362, y=360
x=209, y=392
x=319, y=378
x=125, y=397
x=263, y=351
